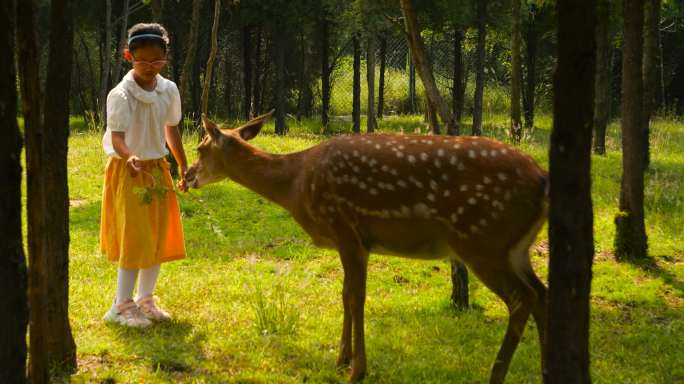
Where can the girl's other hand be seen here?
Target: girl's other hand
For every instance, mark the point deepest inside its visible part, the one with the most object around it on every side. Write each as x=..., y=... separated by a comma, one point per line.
x=133, y=164
x=182, y=183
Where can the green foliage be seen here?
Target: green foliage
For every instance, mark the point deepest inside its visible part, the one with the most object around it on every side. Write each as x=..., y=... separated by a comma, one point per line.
x=154, y=188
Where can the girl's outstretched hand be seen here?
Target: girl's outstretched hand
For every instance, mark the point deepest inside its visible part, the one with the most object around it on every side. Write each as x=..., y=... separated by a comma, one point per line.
x=182, y=183
x=133, y=164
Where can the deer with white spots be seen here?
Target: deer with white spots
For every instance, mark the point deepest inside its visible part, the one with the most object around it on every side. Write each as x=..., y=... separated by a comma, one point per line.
x=425, y=197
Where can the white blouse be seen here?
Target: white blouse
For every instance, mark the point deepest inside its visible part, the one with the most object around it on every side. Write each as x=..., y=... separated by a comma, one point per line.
x=142, y=115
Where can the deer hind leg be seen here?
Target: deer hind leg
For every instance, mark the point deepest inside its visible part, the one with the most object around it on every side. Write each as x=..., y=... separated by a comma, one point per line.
x=355, y=262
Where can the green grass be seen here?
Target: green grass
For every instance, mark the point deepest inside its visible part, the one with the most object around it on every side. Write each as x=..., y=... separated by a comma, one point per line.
x=255, y=302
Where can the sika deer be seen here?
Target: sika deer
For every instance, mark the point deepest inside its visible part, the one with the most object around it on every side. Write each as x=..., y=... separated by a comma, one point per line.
x=423, y=197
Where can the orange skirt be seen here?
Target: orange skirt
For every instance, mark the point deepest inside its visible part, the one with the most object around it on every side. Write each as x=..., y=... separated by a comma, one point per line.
x=140, y=223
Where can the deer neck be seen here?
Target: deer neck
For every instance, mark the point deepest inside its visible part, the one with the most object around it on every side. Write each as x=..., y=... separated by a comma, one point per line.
x=272, y=176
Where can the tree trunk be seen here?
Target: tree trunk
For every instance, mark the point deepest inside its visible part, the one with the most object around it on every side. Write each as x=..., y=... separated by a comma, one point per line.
x=516, y=73
x=91, y=76
x=325, y=71
x=479, y=66
x=630, y=234
x=424, y=68
x=458, y=87
x=228, y=82
x=602, y=86
x=459, y=285
x=649, y=66
x=247, y=70
x=212, y=57
x=12, y=261
x=190, y=52
x=381, y=82
x=258, y=70
x=279, y=91
x=431, y=119
x=156, y=6
x=118, y=56
x=413, y=102
x=36, y=200
x=60, y=341
x=371, y=124
x=356, y=97
x=105, y=63
x=531, y=56
x=571, y=237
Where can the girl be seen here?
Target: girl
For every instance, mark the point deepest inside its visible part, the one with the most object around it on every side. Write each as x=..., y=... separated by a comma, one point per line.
x=140, y=226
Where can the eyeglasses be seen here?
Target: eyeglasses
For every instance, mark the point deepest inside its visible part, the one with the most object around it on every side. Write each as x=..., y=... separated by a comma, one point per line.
x=150, y=64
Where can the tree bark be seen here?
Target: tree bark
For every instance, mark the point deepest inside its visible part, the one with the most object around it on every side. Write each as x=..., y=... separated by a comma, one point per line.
x=531, y=58
x=247, y=70
x=630, y=234
x=157, y=7
x=459, y=285
x=118, y=56
x=324, y=28
x=212, y=57
x=371, y=124
x=13, y=281
x=602, y=84
x=649, y=67
x=413, y=102
x=381, y=81
x=106, y=62
x=424, y=68
x=258, y=70
x=356, y=91
x=60, y=341
x=516, y=73
x=458, y=87
x=571, y=241
x=36, y=200
x=479, y=67
x=190, y=53
x=279, y=91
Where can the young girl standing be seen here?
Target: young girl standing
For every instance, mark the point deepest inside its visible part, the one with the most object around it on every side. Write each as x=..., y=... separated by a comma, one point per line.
x=141, y=226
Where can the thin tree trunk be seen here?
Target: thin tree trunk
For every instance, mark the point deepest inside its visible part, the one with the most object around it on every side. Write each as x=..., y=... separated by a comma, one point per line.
x=479, y=66
x=258, y=70
x=105, y=63
x=571, y=238
x=279, y=90
x=190, y=52
x=630, y=234
x=247, y=70
x=157, y=8
x=371, y=124
x=118, y=59
x=381, y=82
x=413, y=102
x=650, y=65
x=423, y=66
x=324, y=27
x=13, y=282
x=36, y=200
x=531, y=56
x=516, y=73
x=228, y=82
x=60, y=341
x=91, y=75
x=458, y=87
x=356, y=97
x=602, y=86
x=431, y=118
x=212, y=57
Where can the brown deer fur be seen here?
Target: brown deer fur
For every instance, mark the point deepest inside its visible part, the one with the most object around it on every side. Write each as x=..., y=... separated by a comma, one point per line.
x=415, y=196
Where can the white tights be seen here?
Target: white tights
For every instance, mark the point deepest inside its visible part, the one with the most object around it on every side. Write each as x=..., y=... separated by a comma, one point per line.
x=126, y=282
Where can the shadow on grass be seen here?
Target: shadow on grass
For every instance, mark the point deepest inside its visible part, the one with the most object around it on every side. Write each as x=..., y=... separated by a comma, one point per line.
x=651, y=266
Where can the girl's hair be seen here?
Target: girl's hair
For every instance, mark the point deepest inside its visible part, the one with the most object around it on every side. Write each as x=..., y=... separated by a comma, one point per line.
x=144, y=34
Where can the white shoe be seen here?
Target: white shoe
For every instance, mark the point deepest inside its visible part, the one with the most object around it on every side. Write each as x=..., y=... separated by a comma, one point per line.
x=150, y=310
x=127, y=314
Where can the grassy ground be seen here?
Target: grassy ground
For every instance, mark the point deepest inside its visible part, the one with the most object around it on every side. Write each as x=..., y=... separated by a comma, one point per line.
x=255, y=302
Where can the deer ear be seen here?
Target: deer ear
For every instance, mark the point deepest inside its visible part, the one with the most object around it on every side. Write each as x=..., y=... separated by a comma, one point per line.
x=211, y=128
x=253, y=127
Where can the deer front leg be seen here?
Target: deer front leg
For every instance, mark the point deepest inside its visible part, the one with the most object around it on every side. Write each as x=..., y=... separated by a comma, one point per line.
x=345, y=353
x=355, y=262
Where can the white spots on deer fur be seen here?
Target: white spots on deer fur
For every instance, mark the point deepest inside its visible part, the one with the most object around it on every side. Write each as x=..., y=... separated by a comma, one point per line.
x=372, y=162
x=502, y=176
x=485, y=197
x=440, y=152
x=461, y=166
x=416, y=182
x=463, y=187
x=494, y=215
x=497, y=189
x=484, y=153
x=438, y=163
x=355, y=169
x=377, y=146
x=453, y=160
x=498, y=205
x=447, y=193
x=373, y=191
x=414, y=141
x=504, y=151
x=354, y=180
x=486, y=180
x=493, y=153
x=424, y=156
x=362, y=185
x=457, y=146
x=421, y=210
x=483, y=222
x=518, y=171
x=394, y=172
x=401, y=147
x=411, y=159
x=472, y=201
x=313, y=187
x=445, y=177
x=433, y=184
x=431, y=197
x=479, y=187
x=471, y=153
x=384, y=168
x=454, y=218
x=364, y=159
x=402, y=183
x=507, y=196
x=400, y=154
x=355, y=153
x=473, y=228
x=405, y=211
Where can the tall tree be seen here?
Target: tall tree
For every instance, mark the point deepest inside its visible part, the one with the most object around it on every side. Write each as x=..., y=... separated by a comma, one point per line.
x=424, y=68
x=516, y=72
x=190, y=53
x=630, y=233
x=116, y=74
x=458, y=82
x=106, y=56
x=247, y=71
x=36, y=199
x=649, y=68
x=12, y=262
x=279, y=42
x=371, y=123
x=60, y=341
x=602, y=86
x=212, y=57
x=571, y=241
x=326, y=70
x=530, y=64
x=356, y=92
x=381, y=81
x=479, y=67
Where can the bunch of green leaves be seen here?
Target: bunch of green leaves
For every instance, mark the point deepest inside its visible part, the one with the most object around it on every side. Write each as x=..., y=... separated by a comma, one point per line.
x=154, y=190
